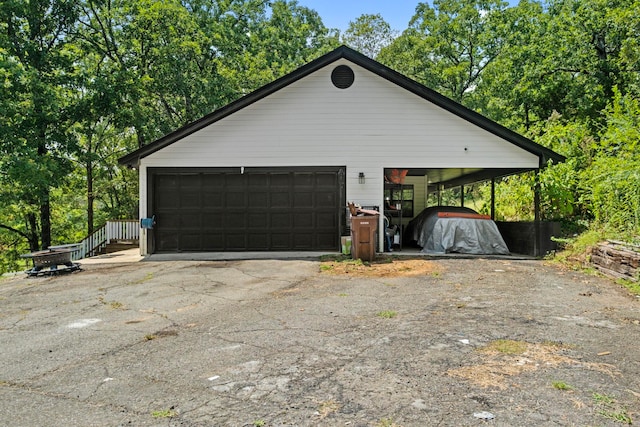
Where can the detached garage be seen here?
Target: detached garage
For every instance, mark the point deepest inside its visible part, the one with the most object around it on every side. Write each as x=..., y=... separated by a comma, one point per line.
x=274, y=170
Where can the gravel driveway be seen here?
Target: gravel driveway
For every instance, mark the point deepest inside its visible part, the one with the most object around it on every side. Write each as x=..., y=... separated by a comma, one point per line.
x=287, y=343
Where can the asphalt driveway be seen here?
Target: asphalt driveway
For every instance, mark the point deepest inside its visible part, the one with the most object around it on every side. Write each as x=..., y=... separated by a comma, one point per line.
x=287, y=343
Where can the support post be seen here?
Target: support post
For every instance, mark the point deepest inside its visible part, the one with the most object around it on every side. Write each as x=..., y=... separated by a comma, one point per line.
x=537, y=242
x=462, y=195
x=493, y=199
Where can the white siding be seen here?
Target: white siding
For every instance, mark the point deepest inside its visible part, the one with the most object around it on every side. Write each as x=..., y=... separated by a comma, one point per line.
x=371, y=125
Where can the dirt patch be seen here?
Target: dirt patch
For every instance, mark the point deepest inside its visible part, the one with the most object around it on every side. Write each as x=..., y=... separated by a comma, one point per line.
x=381, y=267
x=502, y=359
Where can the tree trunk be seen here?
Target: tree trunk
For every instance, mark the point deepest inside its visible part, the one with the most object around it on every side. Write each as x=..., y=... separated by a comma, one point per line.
x=45, y=220
x=90, y=197
x=32, y=226
x=44, y=192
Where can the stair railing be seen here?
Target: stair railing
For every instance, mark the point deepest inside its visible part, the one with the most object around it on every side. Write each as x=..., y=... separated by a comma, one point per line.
x=127, y=229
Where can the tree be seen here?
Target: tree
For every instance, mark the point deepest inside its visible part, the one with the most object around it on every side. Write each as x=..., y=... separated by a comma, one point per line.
x=34, y=143
x=369, y=34
x=448, y=46
x=566, y=58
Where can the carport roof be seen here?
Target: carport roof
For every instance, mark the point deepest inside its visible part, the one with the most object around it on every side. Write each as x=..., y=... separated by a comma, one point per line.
x=344, y=52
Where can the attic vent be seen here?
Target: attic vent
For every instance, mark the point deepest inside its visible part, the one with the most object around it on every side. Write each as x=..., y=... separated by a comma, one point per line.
x=342, y=77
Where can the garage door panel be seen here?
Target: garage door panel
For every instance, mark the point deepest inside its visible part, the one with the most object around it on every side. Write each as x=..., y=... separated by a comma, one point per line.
x=303, y=200
x=280, y=220
x=326, y=180
x=212, y=220
x=168, y=221
x=190, y=241
x=325, y=240
x=258, y=241
x=235, y=220
x=212, y=199
x=235, y=181
x=326, y=220
x=280, y=199
x=213, y=241
x=224, y=209
x=258, y=200
x=168, y=200
x=258, y=220
x=258, y=181
x=325, y=198
x=235, y=241
x=301, y=180
x=190, y=221
x=278, y=179
x=190, y=199
x=303, y=241
x=213, y=181
x=168, y=181
x=168, y=240
x=303, y=220
x=281, y=241
x=235, y=199
x=190, y=181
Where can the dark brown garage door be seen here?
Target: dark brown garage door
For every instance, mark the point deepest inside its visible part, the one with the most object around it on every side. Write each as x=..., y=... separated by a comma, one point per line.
x=251, y=209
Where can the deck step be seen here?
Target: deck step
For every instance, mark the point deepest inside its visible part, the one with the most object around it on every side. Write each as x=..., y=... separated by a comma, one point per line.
x=117, y=245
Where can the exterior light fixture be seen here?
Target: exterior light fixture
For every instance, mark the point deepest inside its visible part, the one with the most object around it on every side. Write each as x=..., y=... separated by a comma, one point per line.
x=361, y=178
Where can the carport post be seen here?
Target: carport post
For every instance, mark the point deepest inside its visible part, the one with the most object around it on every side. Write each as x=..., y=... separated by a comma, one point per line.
x=493, y=199
x=537, y=244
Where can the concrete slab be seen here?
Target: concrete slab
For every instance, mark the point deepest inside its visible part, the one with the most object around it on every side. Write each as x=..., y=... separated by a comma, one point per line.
x=128, y=256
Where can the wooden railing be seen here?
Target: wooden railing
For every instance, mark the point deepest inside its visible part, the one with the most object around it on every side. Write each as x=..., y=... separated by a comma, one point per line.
x=127, y=229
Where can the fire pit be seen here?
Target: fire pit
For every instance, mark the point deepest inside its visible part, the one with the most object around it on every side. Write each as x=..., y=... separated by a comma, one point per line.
x=51, y=261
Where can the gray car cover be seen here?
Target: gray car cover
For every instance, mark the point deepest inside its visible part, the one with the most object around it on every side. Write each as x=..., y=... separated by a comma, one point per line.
x=456, y=235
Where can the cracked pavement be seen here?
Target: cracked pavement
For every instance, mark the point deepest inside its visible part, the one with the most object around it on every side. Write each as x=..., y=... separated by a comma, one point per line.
x=278, y=343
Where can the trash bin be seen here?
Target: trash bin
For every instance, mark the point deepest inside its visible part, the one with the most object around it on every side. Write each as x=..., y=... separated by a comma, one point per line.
x=363, y=237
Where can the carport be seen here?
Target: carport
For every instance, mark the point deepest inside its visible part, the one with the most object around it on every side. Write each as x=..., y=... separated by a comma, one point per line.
x=274, y=170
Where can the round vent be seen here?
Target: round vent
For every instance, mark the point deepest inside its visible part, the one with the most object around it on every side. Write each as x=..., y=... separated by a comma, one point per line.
x=342, y=77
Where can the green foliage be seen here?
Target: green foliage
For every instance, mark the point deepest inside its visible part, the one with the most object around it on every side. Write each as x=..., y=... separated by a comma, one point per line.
x=448, y=46
x=82, y=82
x=368, y=34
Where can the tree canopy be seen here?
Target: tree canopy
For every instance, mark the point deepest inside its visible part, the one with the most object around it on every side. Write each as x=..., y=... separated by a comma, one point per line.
x=84, y=81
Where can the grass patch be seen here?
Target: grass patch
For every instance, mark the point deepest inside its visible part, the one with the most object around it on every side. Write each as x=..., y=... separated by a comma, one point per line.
x=507, y=358
x=610, y=409
x=506, y=347
x=115, y=305
x=150, y=337
x=146, y=278
x=387, y=314
x=633, y=287
x=387, y=422
x=259, y=423
x=327, y=408
x=621, y=417
x=165, y=413
x=602, y=399
x=561, y=385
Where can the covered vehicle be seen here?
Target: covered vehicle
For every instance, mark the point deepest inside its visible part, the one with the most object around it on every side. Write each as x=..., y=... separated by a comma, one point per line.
x=452, y=229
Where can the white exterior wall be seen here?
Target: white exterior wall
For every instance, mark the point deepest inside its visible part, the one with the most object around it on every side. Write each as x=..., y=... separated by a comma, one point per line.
x=371, y=125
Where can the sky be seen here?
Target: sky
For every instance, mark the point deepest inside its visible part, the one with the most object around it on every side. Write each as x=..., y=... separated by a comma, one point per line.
x=338, y=13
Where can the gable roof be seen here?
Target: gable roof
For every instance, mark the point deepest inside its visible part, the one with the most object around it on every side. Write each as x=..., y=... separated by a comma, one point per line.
x=132, y=159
